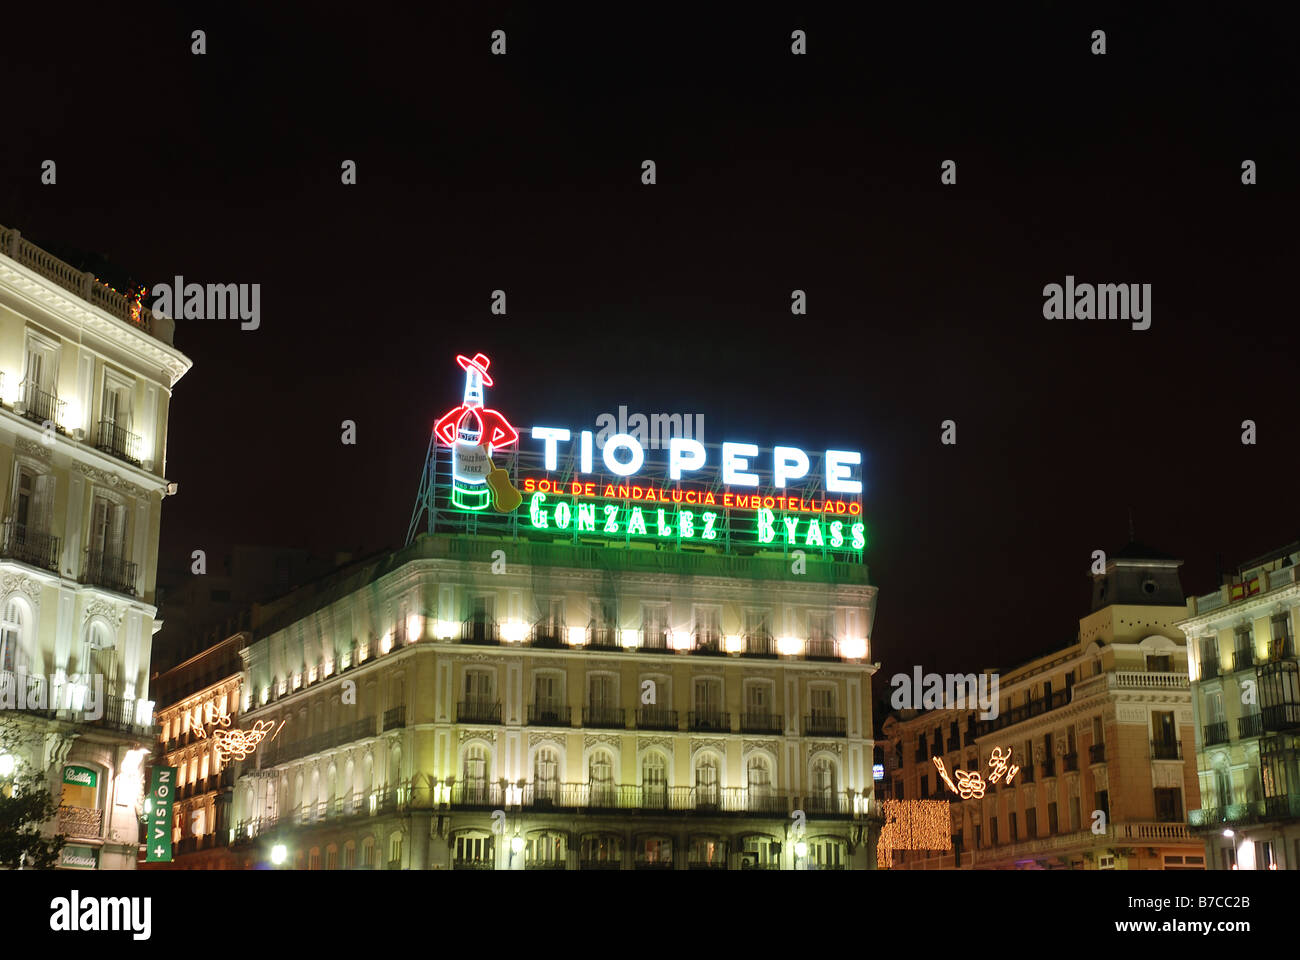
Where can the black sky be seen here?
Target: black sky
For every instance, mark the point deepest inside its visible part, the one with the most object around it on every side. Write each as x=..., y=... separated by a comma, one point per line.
x=775, y=172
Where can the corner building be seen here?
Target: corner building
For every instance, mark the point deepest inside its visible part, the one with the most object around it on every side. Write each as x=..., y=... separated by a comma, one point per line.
x=85, y=385
x=614, y=708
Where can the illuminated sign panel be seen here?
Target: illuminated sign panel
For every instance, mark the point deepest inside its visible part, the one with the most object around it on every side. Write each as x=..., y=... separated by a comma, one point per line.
x=554, y=483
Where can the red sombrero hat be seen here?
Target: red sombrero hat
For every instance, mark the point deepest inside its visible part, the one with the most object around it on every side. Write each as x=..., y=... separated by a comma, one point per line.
x=479, y=363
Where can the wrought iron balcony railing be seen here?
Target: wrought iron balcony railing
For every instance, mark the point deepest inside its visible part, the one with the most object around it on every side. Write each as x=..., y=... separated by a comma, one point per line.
x=820, y=649
x=602, y=716
x=760, y=645
x=547, y=633
x=80, y=822
x=824, y=725
x=1251, y=725
x=1166, y=750
x=1281, y=716
x=708, y=642
x=116, y=440
x=760, y=723
x=656, y=718
x=1097, y=753
x=482, y=631
x=478, y=711
x=1215, y=733
x=654, y=640
x=550, y=715
x=712, y=720
x=1071, y=762
x=395, y=718
x=604, y=638
x=41, y=405
x=28, y=545
x=111, y=572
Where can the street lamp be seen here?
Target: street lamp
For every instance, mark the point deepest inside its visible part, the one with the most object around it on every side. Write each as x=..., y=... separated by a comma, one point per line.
x=7, y=763
x=279, y=854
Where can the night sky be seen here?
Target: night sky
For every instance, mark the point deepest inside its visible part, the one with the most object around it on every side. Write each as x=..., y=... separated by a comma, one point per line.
x=775, y=172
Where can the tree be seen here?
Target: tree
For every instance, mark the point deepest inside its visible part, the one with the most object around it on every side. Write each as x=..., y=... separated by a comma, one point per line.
x=24, y=808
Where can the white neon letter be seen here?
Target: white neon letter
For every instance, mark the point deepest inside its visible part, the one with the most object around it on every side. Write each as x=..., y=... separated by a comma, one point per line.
x=735, y=458
x=684, y=453
x=585, y=452
x=837, y=471
x=550, y=435
x=611, y=462
x=786, y=457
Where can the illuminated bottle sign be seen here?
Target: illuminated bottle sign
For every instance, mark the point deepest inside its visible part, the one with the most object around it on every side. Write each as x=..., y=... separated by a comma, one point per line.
x=473, y=431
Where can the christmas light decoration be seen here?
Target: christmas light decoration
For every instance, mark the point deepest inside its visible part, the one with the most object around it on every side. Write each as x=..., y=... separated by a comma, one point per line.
x=913, y=825
x=237, y=744
x=969, y=785
x=999, y=764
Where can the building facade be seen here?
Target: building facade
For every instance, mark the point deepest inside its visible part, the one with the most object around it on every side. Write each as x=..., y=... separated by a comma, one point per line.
x=1102, y=734
x=198, y=698
x=579, y=707
x=1246, y=699
x=85, y=382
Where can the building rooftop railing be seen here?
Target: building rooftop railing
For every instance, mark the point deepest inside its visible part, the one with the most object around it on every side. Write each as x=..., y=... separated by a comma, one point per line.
x=84, y=285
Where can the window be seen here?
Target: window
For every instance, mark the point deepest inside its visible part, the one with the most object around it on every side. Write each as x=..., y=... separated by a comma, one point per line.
x=394, y=851
x=600, y=773
x=349, y=855
x=826, y=854
x=554, y=623
x=547, y=691
x=1264, y=858
x=474, y=848
x=993, y=831
x=1014, y=835
x=368, y=852
x=602, y=848
x=758, y=774
x=654, y=626
x=476, y=773
x=655, y=850
x=478, y=687
x=545, y=847
x=1053, y=825
x=758, y=624
x=1103, y=803
x=708, y=698
x=1160, y=664
x=761, y=853
x=708, y=627
x=546, y=774
x=116, y=409
x=1106, y=861
x=13, y=636
x=1281, y=640
x=758, y=699
x=654, y=779
x=331, y=857
x=42, y=373
x=1169, y=805
x=601, y=691
x=1074, y=815
x=821, y=702
x=820, y=626
x=1031, y=820
x=822, y=784
x=97, y=660
x=313, y=862
x=706, y=780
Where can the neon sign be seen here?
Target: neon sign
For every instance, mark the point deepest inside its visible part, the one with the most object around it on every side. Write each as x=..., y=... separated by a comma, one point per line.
x=473, y=431
x=969, y=785
x=238, y=744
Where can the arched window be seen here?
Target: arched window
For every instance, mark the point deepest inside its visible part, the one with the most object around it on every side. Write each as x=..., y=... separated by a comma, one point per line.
x=654, y=780
x=823, y=784
x=546, y=774
x=13, y=635
x=758, y=774
x=600, y=774
x=97, y=660
x=706, y=780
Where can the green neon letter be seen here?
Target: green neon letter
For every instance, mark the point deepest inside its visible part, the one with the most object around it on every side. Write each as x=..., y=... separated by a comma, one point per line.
x=611, y=518
x=664, y=529
x=636, y=522
x=709, y=533
x=790, y=526
x=859, y=536
x=535, y=511
x=587, y=517
x=765, y=520
x=686, y=523
x=562, y=515
x=837, y=533
x=814, y=533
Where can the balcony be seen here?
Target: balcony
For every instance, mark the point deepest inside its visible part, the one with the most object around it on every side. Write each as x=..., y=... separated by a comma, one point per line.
x=1209, y=667
x=1251, y=725
x=1049, y=767
x=1097, y=753
x=549, y=715
x=708, y=643
x=40, y=405
x=395, y=719
x=282, y=751
x=80, y=822
x=824, y=725
x=27, y=545
x=115, y=440
x=604, y=638
x=110, y=572
x=485, y=632
x=478, y=711
x=484, y=864
x=547, y=634
x=1166, y=750
x=546, y=865
x=1027, y=711
x=1283, y=807
x=760, y=723
x=1215, y=733
x=820, y=649
x=760, y=645
x=1243, y=658
x=611, y=717
x=828, y=804
x=1070, y=762
x=656, y=718
x=600, y=864
x=711, y=720
x=654, y=641
x=706, y=865
x=1282, y=716
x=642, y=864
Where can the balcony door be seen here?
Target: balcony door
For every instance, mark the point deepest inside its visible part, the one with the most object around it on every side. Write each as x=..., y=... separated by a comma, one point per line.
x=546, y=775
x=758, y=701
x=476, y=773
x=759, y=781
x=708, y=700
x=117, y=404
x=547, y=696
x=601, y=776
x=823, y=784
x=107, y=530
x=1163, y=724
x=654, y=780
x=706, y=780
x=40, y=377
